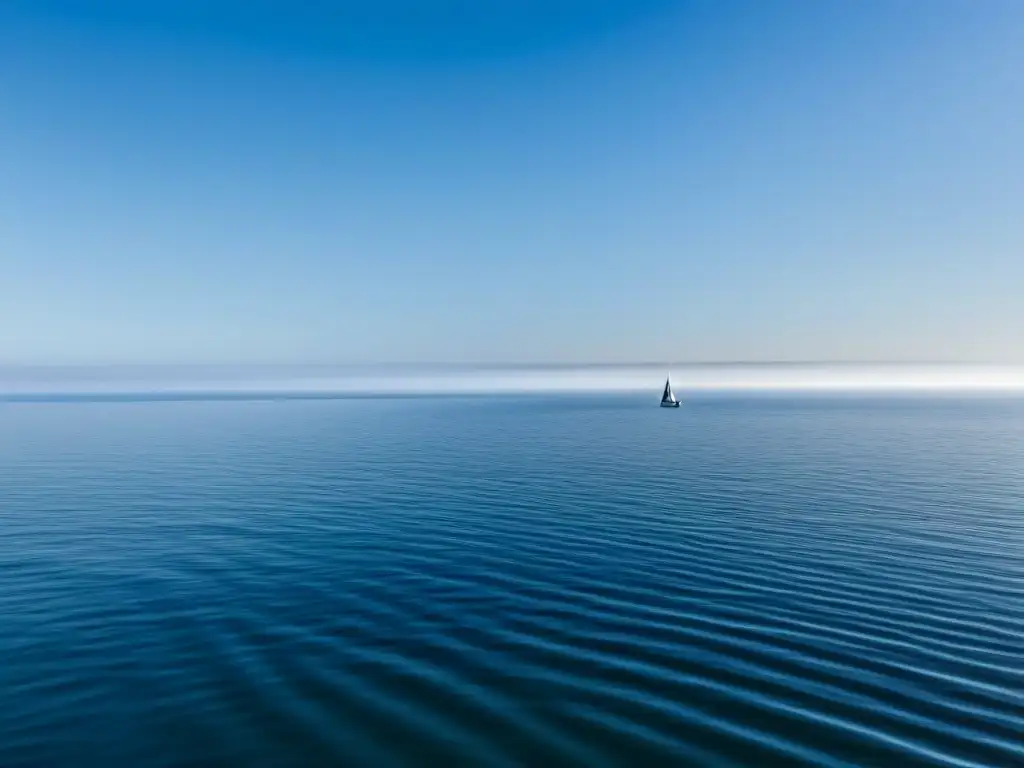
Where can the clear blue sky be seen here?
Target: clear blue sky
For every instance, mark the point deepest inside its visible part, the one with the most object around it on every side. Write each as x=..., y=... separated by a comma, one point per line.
x=543, y=180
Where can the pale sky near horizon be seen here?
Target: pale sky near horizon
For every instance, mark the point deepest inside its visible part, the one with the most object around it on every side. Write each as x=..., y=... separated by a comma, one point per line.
x=557, y=181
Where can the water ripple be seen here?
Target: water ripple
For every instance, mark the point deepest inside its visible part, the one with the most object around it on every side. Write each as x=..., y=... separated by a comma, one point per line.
x=529, y=582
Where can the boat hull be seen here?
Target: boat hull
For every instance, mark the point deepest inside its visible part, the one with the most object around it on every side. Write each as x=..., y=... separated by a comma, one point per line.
x=670, y=405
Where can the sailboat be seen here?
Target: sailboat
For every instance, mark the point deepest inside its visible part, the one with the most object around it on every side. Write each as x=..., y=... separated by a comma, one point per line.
x=668, y=398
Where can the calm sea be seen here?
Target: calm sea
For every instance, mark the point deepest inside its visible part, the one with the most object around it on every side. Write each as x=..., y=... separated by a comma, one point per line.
x=517, y=580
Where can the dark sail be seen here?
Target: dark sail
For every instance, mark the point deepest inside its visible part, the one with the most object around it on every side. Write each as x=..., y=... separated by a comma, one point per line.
x=668, y=397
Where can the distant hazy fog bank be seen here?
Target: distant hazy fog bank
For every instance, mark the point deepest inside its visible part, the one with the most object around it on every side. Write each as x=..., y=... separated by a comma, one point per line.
x=41, y=381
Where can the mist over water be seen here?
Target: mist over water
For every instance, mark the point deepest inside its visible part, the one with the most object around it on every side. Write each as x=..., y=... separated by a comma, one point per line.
x=41, y=381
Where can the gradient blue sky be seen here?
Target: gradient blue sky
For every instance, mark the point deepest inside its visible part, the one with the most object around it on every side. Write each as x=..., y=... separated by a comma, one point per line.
x=473, y=181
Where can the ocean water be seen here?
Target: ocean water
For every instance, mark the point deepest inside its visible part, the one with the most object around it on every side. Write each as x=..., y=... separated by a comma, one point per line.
x=573, y=579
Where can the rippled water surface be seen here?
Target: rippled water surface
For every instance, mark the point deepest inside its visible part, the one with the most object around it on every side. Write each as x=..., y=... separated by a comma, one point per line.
x=513, y=581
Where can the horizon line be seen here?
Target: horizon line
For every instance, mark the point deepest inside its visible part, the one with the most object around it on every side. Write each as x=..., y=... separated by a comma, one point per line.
x=494, y=365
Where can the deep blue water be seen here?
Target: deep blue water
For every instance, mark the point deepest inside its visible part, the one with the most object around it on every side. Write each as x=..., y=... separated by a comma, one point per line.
x=512, y=581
